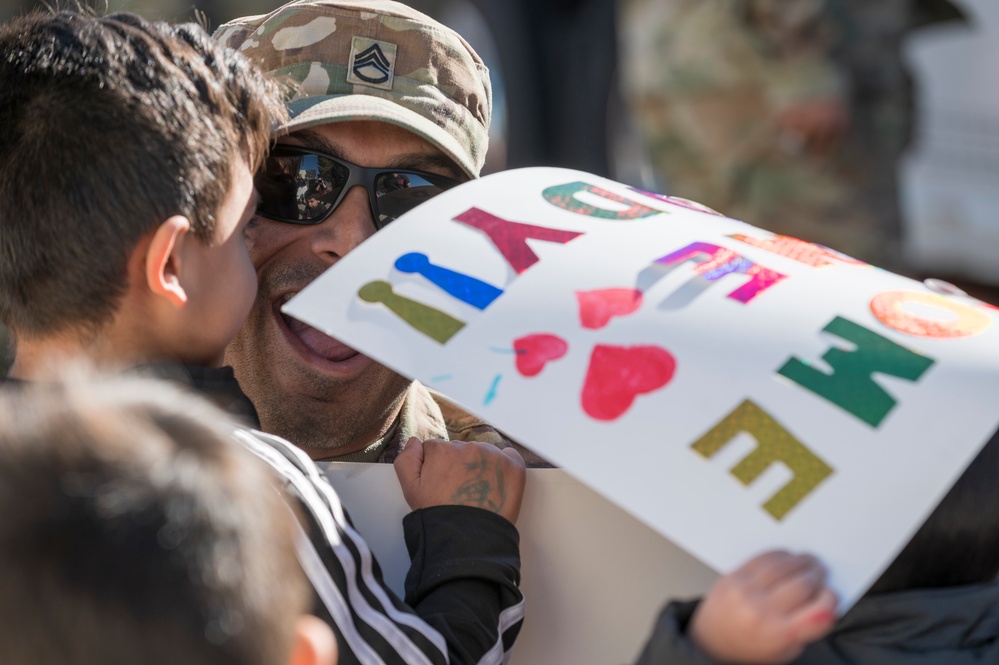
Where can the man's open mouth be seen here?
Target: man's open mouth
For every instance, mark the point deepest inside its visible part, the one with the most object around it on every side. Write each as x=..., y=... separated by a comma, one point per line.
x=315, y=341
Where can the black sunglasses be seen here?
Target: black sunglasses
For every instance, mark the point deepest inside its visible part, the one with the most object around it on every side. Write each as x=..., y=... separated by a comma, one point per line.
x=303, y=186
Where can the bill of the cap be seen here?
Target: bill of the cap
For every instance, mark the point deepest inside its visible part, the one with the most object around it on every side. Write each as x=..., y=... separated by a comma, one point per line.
x=321, y=110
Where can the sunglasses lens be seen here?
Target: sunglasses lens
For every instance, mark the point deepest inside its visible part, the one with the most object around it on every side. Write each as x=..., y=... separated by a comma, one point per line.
x=399, y=192
x=299, y=188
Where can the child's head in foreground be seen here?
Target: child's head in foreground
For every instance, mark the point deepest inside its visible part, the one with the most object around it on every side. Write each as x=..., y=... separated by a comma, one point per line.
x=134, y=529
x=127, y=150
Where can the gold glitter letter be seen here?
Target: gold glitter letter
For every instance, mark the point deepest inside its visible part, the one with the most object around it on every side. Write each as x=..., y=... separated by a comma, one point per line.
x=773, y=444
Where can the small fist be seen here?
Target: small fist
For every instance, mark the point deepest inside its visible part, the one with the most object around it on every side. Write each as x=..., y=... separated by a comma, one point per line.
x=460, y=473
x=765, y=612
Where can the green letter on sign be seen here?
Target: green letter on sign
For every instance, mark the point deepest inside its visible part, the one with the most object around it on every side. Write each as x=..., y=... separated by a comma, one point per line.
x=621, y=208
x=850, y=385
x=773, y=444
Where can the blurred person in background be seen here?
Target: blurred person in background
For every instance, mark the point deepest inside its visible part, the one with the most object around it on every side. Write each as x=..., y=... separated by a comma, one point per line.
x=788, y=114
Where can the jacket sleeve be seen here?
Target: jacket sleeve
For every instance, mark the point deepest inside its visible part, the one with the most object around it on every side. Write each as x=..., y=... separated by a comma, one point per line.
x=465, y=607
x=464, y=579
x=669, y=643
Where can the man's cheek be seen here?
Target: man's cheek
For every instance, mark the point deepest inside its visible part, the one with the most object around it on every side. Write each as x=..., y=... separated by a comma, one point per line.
x=261, y=242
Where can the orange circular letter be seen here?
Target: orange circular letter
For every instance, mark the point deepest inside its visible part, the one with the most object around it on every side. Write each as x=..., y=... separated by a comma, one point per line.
x=889, y=307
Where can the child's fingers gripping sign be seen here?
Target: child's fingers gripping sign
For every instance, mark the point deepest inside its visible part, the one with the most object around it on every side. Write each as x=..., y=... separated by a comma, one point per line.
x=766, y=611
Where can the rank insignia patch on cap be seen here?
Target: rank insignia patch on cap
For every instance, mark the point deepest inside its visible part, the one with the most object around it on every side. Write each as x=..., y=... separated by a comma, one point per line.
x=372, y=63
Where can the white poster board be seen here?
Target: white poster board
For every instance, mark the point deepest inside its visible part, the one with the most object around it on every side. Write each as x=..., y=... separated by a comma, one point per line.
x=594, y=577
x=734, y=390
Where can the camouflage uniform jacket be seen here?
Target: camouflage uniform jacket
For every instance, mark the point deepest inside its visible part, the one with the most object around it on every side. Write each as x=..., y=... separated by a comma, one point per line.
x=708, y=82
x=427, y=414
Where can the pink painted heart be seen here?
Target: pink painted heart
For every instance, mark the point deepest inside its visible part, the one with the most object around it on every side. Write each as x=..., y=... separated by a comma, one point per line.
x=619, y=374
x=536, y=351
x=596, y=308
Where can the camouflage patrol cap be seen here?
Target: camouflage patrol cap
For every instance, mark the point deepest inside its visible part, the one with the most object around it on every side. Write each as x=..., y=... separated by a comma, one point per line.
x=374, y=60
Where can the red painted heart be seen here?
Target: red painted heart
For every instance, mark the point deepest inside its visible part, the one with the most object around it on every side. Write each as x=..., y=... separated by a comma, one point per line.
x=596, y=308
x=535, y=351
x=619, y=374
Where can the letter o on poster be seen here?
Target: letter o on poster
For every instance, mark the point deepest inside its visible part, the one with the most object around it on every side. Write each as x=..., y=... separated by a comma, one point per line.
x=894, y=309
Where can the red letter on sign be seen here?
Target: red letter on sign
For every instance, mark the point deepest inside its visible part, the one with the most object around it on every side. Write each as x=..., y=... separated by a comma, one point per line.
x=510, y=237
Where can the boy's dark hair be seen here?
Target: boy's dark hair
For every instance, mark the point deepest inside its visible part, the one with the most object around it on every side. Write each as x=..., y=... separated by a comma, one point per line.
x=959, y=543
x=135, y=529
x=109, y=126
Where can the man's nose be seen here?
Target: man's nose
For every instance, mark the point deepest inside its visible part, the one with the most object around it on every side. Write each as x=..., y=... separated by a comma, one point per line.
x=350, y=224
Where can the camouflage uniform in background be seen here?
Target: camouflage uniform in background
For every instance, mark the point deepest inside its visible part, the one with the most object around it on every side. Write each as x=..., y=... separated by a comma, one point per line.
x=713, y=83
x=708, y=81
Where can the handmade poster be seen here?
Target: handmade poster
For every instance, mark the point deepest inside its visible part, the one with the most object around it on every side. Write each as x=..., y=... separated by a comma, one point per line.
x=735, y=390
x=594, y=577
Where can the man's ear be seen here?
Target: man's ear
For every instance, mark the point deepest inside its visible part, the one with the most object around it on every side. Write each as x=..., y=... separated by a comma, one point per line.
x=163, y=263
x=315, y=643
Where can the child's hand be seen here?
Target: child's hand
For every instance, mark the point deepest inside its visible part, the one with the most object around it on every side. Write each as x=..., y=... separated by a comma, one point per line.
x=765, y=612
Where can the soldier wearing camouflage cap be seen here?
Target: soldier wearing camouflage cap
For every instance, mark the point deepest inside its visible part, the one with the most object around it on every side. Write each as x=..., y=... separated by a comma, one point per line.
x=374, y=61
x=387, y=108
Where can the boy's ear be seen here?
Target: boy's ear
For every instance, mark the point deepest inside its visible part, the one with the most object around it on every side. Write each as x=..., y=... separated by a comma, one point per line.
x=315, y=643
x=163, y=261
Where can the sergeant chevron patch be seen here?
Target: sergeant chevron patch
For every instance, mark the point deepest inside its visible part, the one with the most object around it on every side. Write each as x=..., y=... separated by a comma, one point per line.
x=372, y=63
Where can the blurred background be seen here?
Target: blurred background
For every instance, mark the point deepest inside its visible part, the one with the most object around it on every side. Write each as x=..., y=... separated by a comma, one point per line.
x=869, y=126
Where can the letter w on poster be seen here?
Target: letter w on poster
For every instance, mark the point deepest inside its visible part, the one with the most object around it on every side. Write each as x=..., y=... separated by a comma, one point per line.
x=735, y=390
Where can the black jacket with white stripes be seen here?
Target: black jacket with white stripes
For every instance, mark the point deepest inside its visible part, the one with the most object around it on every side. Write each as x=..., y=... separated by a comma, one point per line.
x=462, y=604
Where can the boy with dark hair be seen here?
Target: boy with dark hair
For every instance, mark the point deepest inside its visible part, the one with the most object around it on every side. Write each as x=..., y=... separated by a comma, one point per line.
x=133, y=529
x=127, y=151
x=938, y=602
